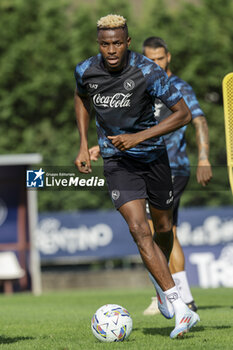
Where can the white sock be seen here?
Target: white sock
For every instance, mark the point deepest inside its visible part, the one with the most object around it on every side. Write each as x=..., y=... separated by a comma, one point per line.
x=179, y=306
x=181, y=281
x=173, y=295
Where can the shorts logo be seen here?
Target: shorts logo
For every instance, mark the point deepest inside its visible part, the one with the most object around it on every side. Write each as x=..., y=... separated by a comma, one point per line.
x=129, y=84
x=147, y=208
x=35, y=178
x=115, y=194
x=170, y=200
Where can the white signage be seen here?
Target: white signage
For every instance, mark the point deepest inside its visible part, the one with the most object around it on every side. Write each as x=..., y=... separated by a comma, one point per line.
x=213, y=231
x=52, y=237
x=213, y=272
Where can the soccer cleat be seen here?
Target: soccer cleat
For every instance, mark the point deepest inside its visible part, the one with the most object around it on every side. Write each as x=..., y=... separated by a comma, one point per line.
x=192, y=306
x=186, y=321
x=152, y=308
x=164, y=305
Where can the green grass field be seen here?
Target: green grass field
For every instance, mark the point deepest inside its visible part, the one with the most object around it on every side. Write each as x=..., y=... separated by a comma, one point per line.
x=61, y=321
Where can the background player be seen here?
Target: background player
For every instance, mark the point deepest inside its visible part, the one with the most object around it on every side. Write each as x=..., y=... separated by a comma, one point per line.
x=156, y=49
x=135, y=159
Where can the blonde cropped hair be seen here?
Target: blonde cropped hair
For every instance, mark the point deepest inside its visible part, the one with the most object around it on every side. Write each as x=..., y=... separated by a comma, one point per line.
x=111, y=21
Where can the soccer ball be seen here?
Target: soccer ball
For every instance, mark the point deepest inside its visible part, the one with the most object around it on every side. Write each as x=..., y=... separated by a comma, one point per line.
x=111, y=323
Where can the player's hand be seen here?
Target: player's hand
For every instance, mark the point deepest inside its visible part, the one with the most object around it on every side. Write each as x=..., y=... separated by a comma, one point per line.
x=124, y=141
x=94, y=153
x=83, y=162
x=204, y=172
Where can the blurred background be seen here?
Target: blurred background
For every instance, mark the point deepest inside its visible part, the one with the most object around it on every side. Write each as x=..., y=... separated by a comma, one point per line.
x=40, y=44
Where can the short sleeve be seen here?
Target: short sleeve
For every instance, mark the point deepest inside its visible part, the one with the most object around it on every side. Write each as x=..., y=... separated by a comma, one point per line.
x=191, y=100
x=79, y=81
x=159, y=86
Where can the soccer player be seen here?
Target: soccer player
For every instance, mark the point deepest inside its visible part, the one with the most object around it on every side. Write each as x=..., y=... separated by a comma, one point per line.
x=156, y=49
x=122, y=86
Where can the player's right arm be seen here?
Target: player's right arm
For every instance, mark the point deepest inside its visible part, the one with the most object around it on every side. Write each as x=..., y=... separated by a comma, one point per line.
x=82, y=112
x=204, y=172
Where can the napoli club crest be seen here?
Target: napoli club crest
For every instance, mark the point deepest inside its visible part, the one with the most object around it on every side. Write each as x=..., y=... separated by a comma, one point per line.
x=115, y=194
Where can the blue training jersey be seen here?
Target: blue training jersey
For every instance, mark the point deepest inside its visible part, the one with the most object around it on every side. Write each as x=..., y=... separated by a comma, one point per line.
x=124, y=101
x=175, y=141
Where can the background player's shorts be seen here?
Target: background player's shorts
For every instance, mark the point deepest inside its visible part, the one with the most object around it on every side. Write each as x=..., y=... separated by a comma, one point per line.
x=179, y=184
x=129, y=179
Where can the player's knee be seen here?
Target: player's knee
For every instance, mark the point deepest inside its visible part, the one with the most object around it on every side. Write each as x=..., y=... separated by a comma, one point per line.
x=164, y=227
x=140, y=231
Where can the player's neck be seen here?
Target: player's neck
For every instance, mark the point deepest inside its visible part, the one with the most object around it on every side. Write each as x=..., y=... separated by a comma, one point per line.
x=169, y=73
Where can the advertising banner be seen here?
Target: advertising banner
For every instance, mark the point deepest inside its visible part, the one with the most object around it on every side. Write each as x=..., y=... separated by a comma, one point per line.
x=205, y=234
x=84, y=236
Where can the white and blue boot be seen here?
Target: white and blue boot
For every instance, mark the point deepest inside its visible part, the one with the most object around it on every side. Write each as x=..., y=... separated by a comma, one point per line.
x=164, y=305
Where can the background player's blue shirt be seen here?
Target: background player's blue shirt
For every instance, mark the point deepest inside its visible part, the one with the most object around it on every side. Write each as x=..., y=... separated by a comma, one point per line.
x=175, y=141
x=124, y=101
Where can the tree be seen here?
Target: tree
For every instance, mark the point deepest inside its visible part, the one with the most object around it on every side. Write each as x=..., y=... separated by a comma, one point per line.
x=42, y=41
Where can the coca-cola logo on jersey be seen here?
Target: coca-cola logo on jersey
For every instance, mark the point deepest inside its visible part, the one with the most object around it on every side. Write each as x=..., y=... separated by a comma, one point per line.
x=118, y=100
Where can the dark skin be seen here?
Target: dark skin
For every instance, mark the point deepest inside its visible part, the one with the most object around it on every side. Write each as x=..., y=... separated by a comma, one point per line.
x=113, y=45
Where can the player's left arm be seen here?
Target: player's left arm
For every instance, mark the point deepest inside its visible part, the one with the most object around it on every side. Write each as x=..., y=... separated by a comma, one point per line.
x=204, y=171
x=159, y=87
x=180, y=117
